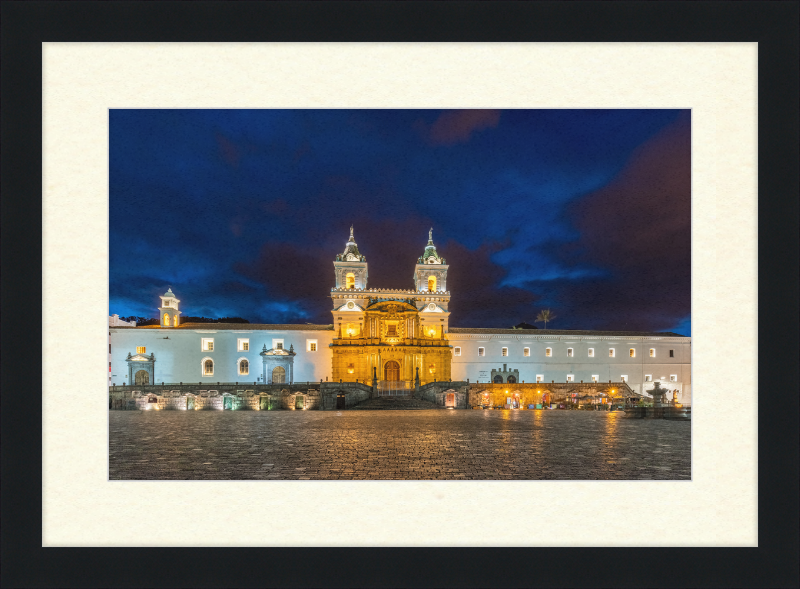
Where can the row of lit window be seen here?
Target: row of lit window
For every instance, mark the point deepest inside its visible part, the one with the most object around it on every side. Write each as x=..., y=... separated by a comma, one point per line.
x=623, y=378
x=548, y=352
x=243, y=345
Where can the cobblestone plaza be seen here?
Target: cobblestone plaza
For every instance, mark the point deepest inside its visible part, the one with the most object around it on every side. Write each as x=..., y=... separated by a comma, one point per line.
x=410, y=445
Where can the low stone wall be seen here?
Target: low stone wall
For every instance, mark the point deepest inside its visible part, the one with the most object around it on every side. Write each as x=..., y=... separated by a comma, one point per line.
x=497, y=394
x=354, y=393
x=436, y=392
x=230, y=396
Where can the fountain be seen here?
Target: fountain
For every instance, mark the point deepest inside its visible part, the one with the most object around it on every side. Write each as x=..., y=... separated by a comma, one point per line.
x=661, y=409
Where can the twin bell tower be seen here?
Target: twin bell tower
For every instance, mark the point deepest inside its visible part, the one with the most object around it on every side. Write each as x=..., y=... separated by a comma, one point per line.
x=395, y=337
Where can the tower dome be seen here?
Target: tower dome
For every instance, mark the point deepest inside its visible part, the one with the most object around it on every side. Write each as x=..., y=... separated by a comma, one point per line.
x=430, y=273
x=351, y=253
x=430, y=256
x=350, y=266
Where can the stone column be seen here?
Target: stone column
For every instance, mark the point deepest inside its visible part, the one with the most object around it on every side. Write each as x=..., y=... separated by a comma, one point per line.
x=291, y=373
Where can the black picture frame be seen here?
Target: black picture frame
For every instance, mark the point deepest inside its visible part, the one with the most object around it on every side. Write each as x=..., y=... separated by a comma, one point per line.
x=26, y=25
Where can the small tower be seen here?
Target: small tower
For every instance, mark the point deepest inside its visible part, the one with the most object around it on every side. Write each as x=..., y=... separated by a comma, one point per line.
x=168, y=311
x=430, y=273
x=350, y=267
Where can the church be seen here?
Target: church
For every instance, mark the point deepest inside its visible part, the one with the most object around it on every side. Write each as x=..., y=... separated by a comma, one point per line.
x=393, y=340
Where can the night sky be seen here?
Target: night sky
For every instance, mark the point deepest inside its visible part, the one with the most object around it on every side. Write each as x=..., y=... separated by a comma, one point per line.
x=242, y=212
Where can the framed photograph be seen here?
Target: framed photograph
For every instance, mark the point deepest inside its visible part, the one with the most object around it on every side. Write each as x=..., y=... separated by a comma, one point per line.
x=97, y=62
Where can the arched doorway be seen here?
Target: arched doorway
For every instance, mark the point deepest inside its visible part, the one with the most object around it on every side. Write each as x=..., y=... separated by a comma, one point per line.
x=278, y=375
x=391, y=371
x=142, y=377
x=498, y=379
x=450, y=400
x=511, y=379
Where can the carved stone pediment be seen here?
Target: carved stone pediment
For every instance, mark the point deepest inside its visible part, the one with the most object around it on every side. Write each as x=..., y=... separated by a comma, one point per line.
x=140, y=358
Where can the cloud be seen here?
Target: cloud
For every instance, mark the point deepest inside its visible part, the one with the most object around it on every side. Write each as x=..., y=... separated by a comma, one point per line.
x=457, y=126
x=228, y=150
x=638, y=229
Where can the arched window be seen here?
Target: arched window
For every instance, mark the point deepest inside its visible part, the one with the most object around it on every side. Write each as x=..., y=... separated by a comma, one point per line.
x=498, y=378
x=431, y=283
x=278, y=375
x=208, y=367
x=142, y=377
x=166, y=319
x=511, y=379
x=244, y=367
x=175, y=321
x=350, y=280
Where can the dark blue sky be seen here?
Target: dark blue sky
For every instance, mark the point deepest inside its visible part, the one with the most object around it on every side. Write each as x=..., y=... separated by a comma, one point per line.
x=243, y=211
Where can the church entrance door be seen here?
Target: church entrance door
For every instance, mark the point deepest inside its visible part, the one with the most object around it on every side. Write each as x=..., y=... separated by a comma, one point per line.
x=278, y=375
x=391, y=371
x=142, y=377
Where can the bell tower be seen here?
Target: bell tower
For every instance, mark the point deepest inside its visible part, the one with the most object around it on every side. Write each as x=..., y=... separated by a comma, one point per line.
x=350, y=267
x=430, y=273
x=168, y=311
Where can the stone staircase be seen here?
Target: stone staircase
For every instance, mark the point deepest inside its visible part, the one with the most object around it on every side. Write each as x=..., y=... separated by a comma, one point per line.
x=402, y=403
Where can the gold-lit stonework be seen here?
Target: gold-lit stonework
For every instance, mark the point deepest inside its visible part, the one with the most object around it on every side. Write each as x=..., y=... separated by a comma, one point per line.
x=390, y=334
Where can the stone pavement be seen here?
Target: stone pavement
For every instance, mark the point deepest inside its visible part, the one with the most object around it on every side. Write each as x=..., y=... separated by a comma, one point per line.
x=380, y=445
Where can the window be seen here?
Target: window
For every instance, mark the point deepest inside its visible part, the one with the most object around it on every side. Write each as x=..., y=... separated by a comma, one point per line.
x=591, y=352
x=243, y=345
x=456, y=351
x=548, y=352
x=208, y=344
x=350, y=280
x=504, y=352
x=632, y=353
x=672, y=353
x=569, y=352
x=481, y=351
x=166, y=319
x=624, y=378
x=648, y=377
x=109, y=366
x=673, y=378
x=139, y=349
x=526, y=352
x=311, y=345
x=277, y=344
x=208, y=367
x=540, y=378
x=570, y=378
x=431, y=283
x=652, y=352
x=595, y=378
x=244, y=367
x=391, y=330
x=610, y=352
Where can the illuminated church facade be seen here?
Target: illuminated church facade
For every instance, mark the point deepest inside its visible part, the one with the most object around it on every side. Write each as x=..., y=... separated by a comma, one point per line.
x=395, y=339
